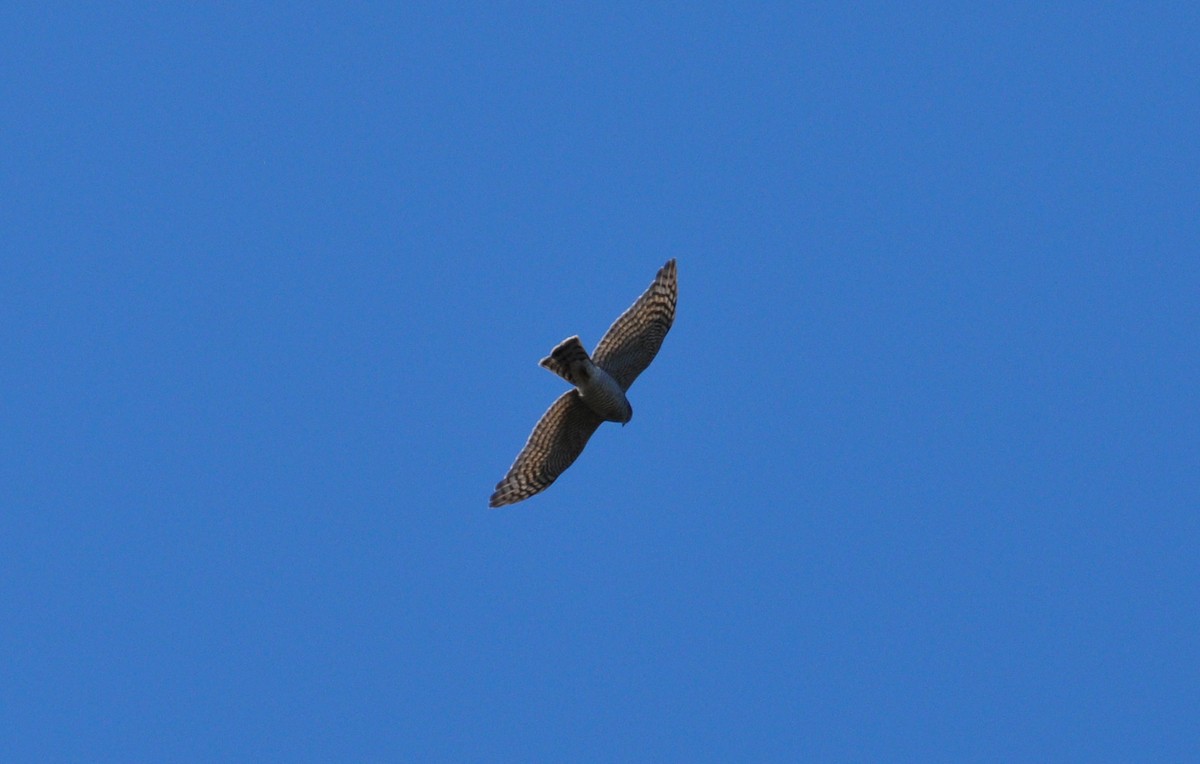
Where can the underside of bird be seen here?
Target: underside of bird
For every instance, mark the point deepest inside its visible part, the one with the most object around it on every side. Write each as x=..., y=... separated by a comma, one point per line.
x=596, y=386
x=601, y=380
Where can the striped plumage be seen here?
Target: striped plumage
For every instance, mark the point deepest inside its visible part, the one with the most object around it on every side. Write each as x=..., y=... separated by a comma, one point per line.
x=624, y=352
x=633, y=340
x=568, y=360
x=556, y=441
x=599, y=390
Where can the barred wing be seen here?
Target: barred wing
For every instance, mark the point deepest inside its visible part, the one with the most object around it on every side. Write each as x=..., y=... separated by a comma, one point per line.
x=634, y=339
x=556, y=441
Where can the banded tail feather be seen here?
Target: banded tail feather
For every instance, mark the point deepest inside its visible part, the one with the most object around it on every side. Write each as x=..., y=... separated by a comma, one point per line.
x=569, y=360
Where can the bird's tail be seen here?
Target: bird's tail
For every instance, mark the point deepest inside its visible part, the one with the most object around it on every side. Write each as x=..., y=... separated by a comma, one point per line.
x=568, y=360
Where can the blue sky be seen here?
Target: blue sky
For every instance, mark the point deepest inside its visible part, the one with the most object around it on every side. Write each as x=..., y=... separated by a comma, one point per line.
x=914, y=477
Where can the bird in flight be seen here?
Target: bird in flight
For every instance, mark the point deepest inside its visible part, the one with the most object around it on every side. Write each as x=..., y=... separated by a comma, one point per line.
x=600, y=382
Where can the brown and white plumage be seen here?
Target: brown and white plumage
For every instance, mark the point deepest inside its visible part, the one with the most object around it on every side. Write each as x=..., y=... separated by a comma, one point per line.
x=624, y=352
x=633, y=340
x=556, y=441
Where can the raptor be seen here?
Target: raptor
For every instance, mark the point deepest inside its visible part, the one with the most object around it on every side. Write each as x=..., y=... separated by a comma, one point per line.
x=599, y=381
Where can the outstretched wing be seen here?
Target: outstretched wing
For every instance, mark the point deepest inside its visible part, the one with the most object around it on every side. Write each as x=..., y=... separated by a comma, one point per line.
x=556, y=441
x=634, y=339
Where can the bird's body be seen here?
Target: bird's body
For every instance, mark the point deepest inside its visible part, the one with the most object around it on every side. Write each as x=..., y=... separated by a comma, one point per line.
x=603, y=395
x=600, y=381
x=596, y=387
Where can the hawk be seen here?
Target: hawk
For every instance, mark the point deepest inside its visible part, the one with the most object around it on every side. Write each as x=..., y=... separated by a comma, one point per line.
x=600, y=382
